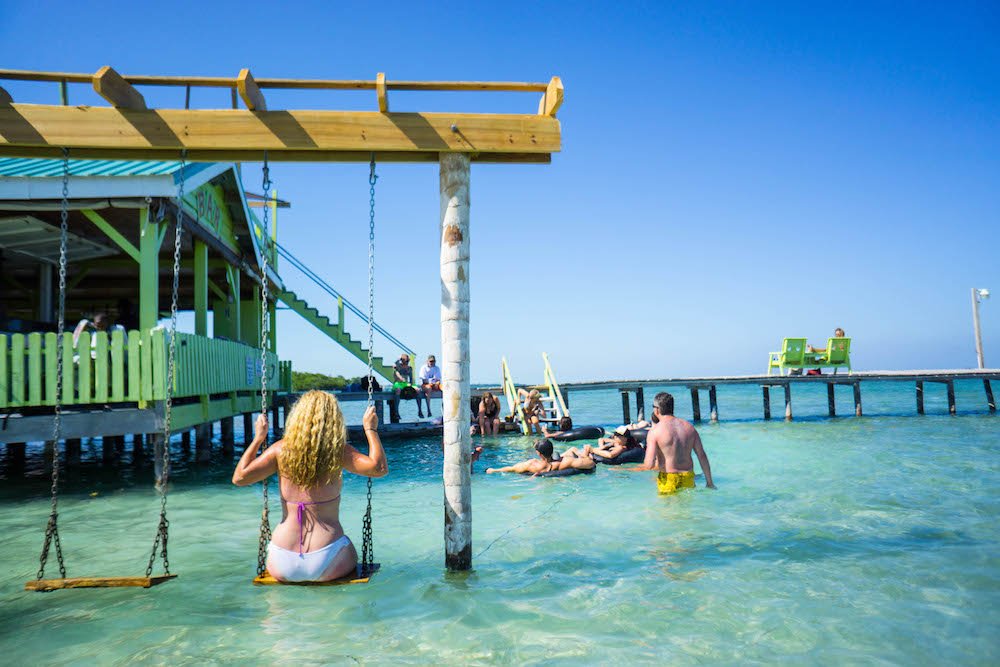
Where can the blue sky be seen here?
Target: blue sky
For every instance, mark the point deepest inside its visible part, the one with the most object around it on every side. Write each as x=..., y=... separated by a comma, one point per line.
x=731, y=173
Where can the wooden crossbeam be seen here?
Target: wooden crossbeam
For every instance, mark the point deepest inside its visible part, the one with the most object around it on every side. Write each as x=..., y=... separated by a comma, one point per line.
x=380, y=91
x=32, y=130
x=112, y=87
x=247, y=87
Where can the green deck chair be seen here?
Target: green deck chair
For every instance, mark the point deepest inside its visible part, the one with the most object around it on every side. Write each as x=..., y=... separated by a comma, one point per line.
x=791, y=356
x=838, y=354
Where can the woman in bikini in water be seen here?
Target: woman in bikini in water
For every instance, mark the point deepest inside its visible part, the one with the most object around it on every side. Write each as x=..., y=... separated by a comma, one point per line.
x=309, y=544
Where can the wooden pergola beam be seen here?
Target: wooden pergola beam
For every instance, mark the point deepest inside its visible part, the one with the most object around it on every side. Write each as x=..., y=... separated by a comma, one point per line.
x=552, y=99
x=112, y=87
x=33, y=130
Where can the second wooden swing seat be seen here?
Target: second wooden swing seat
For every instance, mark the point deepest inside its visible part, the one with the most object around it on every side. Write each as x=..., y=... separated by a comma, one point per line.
x=359, y=577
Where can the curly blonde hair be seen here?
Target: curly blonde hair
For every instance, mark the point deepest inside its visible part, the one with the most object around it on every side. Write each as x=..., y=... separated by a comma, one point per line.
x=315, y=436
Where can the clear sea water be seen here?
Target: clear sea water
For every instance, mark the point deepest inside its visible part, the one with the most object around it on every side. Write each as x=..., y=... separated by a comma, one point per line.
x=828, y=541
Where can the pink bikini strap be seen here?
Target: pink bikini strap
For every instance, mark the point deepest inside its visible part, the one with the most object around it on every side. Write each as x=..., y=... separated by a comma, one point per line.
x=302, y=508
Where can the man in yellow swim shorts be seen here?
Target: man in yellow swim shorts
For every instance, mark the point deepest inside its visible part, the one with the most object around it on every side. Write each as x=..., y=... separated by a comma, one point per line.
x=669, y=446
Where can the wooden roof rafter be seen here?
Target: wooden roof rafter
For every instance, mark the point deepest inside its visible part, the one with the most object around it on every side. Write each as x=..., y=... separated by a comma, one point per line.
x=130, y=130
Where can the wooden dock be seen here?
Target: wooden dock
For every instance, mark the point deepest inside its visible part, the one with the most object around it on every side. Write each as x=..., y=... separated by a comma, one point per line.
x=695, y=385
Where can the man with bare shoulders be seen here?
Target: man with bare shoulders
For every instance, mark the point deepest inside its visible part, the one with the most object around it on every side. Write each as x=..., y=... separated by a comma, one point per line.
x=669, y=446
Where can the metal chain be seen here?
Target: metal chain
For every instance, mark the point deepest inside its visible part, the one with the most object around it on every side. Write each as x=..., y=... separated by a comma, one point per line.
x=52, y=529
x=265, y=516
x=367, y=550
x=162, y=530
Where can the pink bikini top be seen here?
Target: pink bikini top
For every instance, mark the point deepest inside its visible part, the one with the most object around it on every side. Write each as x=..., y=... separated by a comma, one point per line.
x=302, y=508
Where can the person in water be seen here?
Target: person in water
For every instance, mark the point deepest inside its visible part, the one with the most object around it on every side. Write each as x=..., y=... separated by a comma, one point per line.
x=534, y=412
x=309, y=544
x=489, y=415
x=545, y=462
x=565, y=424
x=668, y=449
x=607, y=448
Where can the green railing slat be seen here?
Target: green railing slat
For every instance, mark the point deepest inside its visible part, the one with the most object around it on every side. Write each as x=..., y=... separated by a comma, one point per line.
x=85, y=387
x=34, y=368
x=4, y=371
x=159, y=361
x=101, y=367
x=145, y=367
x=69, y=371
x=134, y=366
x=117, y=366
x=17, y=370
x=51, y=356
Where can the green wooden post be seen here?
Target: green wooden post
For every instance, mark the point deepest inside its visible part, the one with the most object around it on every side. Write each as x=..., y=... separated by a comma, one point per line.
x=86, y=391
x=51, y=340
x=233, y=275
x=134, y=366
x=101, y=389
x=69, y=370
x=149, y=272
x=117, y=366
x=200, y=288
x=17, y=370
x=273, y=333
x=35, y=369
x=4, y=383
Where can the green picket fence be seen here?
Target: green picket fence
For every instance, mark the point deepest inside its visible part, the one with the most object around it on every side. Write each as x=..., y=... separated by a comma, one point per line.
x=127, y=368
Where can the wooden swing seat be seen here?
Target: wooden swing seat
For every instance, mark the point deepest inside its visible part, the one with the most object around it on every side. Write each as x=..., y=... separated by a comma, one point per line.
x=268, y=580
x=43, y=585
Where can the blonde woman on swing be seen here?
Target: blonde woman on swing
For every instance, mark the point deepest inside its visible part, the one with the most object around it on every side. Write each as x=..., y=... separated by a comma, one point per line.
x=309, y=544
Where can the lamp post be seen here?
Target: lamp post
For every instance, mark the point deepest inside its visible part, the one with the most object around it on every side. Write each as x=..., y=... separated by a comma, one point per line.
x=978, y=294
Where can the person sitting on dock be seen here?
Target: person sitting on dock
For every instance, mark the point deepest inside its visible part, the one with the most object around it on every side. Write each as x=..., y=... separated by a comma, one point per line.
x=534, y=411
x=837, y=333
x=489, y=415
x=668, y=449
x=309, y=544
x=402, y=386
x=545, y=462
x=430, y=380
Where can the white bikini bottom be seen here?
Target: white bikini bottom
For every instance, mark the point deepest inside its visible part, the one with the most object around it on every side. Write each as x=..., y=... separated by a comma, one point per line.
x=310, y=566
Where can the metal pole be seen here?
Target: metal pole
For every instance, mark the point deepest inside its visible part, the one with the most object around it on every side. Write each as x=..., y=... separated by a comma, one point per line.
x=975, y=327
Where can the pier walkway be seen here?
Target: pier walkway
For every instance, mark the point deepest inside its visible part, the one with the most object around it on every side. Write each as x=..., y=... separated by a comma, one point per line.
x=696, y=384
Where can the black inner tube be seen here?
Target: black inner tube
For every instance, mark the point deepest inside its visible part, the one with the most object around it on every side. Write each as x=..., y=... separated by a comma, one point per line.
x=567, y=472
x=578, y=433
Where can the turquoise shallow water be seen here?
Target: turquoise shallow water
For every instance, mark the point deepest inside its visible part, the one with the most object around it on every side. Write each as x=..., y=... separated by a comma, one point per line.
x=870, y=540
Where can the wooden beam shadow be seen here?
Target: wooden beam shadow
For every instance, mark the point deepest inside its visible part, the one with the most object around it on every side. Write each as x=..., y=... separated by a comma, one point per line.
x=286, y=129
x=16, y=129
x=423, y=135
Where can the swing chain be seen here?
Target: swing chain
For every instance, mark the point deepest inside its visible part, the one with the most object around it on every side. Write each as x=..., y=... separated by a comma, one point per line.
x=265, y=517
x=367, y=550
x=163, y=528
x=52, y=528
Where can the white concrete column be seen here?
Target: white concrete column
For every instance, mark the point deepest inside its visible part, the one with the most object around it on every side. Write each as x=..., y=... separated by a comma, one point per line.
x=455, y=360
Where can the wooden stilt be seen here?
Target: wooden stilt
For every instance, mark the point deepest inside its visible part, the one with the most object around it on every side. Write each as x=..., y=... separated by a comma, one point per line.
x=455, y=388
x=920, y=397
x=108, y=453
x=640, y=405
x=138, y=450
x=695, y=405
x=247, y=427
x=380, y=411
x=159, y=444
x=137, y=438
x=16, y=455
x=788, y=401
x=186, y=441
x=857, y=399
x=831, y=399
x=203, y=443
x=626, y=413
x=73, y=447
x=713, y=405
x=990, y=403
x=951, y=397
x=767, y=401
x=275, y=422
x=226, y=426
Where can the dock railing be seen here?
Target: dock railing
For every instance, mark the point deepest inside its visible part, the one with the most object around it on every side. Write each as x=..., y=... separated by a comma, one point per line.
x=510, y=391
x=127, y=368
x=559, y=401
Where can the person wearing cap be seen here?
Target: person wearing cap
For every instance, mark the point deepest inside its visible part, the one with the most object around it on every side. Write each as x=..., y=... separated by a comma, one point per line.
x=545, y=462
x=430, y=380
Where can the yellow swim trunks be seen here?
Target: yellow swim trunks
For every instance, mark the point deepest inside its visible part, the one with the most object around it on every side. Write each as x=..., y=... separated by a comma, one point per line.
x=671, y=482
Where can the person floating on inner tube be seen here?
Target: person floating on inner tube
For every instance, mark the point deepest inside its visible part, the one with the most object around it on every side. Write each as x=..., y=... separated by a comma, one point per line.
x=607, y=448
x=545, y=463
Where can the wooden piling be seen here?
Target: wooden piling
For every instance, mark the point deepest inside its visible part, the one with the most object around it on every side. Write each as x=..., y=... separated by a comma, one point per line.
x=16, y=455
x=640, y=405
x=226, y=425
x=990, y=403
x=203, y=442
x=857, y=399
x=920, y=397
x=831, y=399
x=695, y=405
x=951, y=397
x=767, y=401
x=108, y=453
x=626, y=414
x=788, y=401
x=713, y=405
x=380, y=411
x=158, y=446
x=138, y=450
x=119, y=441
x=247, y=426
x=275, y=424
x=73, y=450
x=186, y=441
